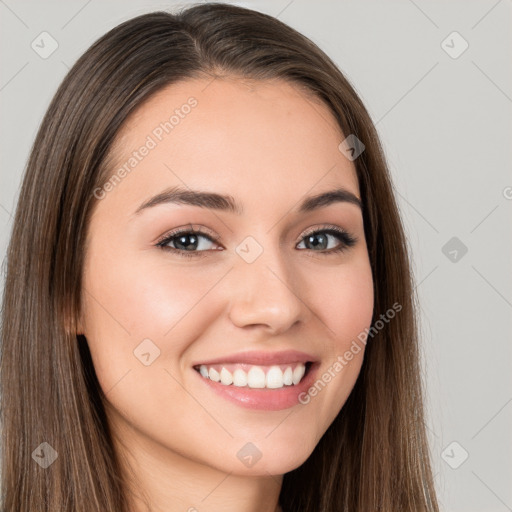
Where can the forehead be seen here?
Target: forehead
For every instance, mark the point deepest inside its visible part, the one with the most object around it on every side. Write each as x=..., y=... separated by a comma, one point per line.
x=253, y=139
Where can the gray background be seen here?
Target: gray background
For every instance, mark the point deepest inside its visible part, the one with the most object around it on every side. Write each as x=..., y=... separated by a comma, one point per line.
x=446, y=127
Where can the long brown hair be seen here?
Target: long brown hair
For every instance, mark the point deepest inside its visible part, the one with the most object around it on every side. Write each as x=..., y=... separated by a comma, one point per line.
x=373, y=457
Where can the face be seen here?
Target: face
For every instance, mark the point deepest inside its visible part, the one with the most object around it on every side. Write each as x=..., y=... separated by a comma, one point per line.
x=211, y=327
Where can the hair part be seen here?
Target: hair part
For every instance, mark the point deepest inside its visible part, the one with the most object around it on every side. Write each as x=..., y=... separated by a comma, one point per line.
x=374, y=456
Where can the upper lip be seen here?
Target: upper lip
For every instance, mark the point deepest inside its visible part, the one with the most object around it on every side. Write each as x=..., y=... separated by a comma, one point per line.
x=262, y=358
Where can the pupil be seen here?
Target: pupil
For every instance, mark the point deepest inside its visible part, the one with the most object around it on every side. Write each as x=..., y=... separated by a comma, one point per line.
x=322, y=243
x=184, y=237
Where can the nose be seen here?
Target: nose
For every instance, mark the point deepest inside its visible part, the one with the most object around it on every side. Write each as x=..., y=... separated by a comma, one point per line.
x=266, y=293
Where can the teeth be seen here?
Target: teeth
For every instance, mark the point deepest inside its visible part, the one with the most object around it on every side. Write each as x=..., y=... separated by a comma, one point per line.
x=239, y=378
x=225, y=377
x=298, y=373
x=214, y=375
x=256, y=377
x=288, y=376
x=274, y=378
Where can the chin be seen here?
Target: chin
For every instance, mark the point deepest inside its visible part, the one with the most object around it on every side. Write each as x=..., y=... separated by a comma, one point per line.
x=268, y=456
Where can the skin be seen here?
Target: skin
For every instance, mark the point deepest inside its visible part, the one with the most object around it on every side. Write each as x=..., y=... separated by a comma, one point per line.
x=268, y=145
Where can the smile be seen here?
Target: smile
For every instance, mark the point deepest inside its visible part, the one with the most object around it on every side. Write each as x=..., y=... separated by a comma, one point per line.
x=269, y=381
x=255, y=376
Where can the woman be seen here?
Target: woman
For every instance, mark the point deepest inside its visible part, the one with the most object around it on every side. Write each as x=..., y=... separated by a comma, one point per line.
x=208, y=301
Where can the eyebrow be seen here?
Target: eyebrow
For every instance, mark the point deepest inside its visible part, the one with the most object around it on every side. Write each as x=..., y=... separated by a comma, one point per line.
x=221, y=202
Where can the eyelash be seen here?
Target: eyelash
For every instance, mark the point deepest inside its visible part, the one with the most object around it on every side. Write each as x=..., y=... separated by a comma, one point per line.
x=346, y=239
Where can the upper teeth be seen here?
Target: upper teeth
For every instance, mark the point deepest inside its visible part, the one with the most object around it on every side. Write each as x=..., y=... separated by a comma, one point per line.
x=275, y=377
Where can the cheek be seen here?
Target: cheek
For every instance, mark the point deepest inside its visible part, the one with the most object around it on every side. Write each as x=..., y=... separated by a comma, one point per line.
x=131, y=299
x=128, y=302
x=344, y=301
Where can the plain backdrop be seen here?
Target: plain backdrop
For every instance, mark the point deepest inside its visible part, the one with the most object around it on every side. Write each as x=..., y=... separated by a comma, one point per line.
x=436, y=78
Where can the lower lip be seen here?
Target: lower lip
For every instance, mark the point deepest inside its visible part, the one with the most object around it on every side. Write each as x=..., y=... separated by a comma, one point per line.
x=263, y=399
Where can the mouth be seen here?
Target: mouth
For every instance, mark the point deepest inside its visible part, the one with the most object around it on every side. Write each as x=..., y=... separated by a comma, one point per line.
x=260, y=380
x=244, y=375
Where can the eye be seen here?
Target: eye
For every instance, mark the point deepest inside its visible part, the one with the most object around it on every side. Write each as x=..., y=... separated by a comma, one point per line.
x=187, y=242
x=320, y=238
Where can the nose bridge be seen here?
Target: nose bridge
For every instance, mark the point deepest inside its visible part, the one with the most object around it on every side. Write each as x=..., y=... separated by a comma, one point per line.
x=264, y=291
